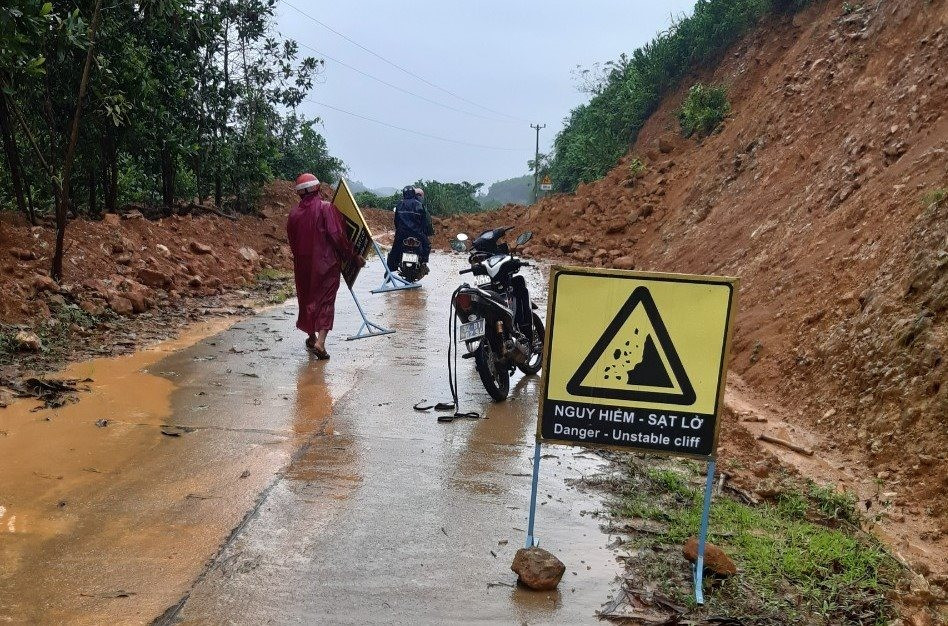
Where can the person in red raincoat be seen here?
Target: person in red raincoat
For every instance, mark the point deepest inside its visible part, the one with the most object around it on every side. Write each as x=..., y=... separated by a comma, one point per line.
x=319, y=244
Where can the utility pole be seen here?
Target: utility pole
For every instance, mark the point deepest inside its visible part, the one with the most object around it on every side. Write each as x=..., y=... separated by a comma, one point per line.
x=536, y=163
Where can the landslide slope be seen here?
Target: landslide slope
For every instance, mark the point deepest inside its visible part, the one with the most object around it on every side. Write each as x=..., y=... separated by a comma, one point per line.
x=818, y=192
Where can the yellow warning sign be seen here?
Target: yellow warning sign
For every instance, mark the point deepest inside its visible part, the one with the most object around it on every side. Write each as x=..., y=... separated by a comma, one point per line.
x=357, y=229
x=636, y=359
x=547, y=180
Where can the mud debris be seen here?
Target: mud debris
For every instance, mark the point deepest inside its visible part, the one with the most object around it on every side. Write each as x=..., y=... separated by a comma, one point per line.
x=53, y=392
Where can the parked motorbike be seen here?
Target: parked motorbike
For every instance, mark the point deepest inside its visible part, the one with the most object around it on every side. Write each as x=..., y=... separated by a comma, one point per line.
x=411, y=268
x=497, y=319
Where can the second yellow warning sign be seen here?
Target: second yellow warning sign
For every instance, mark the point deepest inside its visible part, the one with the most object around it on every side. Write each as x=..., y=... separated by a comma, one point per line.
x=636, y=359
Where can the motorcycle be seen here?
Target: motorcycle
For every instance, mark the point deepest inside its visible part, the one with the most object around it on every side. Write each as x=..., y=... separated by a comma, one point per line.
x=411, y=268
x=497, y=320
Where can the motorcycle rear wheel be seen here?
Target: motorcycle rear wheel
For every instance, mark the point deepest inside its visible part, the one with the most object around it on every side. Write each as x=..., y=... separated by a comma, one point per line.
x=495, y=376
x=536, y=349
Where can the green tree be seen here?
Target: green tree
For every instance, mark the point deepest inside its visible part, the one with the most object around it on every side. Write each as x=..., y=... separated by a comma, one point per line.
x=447, y=198
x=152, y=102
x=302, y=149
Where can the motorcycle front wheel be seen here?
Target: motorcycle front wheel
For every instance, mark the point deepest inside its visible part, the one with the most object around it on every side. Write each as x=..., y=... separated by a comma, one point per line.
x=494, y=375
x=536, y=349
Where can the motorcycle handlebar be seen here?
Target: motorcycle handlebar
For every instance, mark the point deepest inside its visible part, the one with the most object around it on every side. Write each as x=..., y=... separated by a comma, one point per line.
x=467, y=271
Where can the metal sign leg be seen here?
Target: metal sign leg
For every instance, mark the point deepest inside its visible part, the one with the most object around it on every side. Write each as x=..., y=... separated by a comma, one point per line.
x=368, y=329
x=703, y=534
x=531, y=540
x=391, y=282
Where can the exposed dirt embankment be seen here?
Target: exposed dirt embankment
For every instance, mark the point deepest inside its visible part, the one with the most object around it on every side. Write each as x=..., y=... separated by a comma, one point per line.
x=817, y=193
x=129, y=280
x=131, y=264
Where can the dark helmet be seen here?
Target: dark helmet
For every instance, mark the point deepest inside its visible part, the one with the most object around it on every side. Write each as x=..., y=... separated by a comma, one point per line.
x=408, y=192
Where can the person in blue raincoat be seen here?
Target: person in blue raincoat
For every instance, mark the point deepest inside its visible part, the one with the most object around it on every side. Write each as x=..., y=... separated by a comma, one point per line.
x=410, y=221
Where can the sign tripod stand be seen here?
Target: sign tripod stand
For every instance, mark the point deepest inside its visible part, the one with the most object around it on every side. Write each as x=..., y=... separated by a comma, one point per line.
x=391, y=282
x=368, y=328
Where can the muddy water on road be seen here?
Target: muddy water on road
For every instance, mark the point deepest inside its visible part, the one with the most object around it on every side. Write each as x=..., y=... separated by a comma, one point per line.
x=295, y=490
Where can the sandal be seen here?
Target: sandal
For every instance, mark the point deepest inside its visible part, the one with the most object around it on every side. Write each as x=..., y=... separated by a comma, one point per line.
x=322, y=355
x=310, y=343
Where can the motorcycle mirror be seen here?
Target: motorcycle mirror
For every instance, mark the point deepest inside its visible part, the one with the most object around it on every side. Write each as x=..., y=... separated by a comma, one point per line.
x=524, y=237
x=462, y=237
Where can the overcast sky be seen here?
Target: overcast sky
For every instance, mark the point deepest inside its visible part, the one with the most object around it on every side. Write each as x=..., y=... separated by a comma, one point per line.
x=515, y=58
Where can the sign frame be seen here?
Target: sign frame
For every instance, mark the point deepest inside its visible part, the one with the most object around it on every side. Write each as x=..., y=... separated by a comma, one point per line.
x=361, y=237
x=558, y=270
x=711, y=458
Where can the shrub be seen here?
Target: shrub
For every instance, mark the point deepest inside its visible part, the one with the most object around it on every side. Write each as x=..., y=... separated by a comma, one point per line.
x=703, y=110
x=636, y=167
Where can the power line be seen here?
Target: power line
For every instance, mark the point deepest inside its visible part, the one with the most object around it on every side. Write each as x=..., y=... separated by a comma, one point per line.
x=399, y=67
x=402, y=89
x=414, y=132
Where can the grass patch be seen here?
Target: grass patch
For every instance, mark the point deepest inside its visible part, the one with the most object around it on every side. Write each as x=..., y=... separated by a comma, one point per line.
x=800, y=560
x=276, y=284
x=703, y=110
x=273, y=273
x=934, y=196
x=7, y=343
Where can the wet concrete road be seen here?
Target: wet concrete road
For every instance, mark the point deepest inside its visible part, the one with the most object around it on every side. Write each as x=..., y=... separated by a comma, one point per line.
x=297, y=491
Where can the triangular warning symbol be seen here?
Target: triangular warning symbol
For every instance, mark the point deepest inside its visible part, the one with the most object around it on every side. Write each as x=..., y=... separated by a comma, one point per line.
x=634, y=359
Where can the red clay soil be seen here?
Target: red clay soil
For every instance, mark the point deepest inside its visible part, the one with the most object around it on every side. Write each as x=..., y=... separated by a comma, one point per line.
x=131, y=264
x=813, y=193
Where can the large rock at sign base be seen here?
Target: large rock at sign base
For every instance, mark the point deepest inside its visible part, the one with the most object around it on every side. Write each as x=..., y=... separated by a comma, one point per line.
x=28, y=342
x=714, y=557
x=537, y=568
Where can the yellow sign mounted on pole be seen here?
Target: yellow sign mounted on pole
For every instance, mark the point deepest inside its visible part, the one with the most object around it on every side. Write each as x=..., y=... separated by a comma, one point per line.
x=636, y=360
x=357, y=229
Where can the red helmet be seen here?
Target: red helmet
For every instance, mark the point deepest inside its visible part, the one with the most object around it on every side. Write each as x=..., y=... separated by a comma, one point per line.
x=305, y=182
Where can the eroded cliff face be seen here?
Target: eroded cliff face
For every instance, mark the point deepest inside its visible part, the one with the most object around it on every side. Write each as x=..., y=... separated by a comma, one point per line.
x=821, y=193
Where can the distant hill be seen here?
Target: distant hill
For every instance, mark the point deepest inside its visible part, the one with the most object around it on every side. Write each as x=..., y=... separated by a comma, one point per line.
x=511, y=191
x=358, y=186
